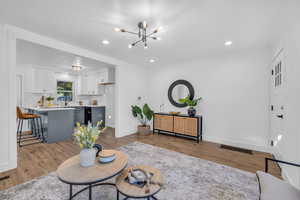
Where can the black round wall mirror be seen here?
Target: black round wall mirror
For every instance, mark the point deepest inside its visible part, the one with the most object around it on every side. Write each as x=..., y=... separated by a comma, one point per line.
x=179, y=90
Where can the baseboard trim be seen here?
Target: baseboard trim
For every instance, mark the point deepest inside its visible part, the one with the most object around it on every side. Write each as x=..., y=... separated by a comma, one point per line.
x=285, y=175
x=7, y=166
x=241, y=144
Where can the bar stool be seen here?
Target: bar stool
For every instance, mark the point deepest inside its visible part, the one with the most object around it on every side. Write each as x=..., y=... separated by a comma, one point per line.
x=37, y=130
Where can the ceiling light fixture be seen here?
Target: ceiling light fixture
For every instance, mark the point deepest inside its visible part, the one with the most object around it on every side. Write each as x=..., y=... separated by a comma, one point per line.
x=76, y=67
x=142, y=34
x=77, y=64
x=228, y=43
x=105, y=42
x=151, y=60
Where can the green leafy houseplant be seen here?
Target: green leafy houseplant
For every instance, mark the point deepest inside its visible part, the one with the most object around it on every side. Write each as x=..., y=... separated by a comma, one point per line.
x=189, y=102
x=49, y=98
x=144, y=115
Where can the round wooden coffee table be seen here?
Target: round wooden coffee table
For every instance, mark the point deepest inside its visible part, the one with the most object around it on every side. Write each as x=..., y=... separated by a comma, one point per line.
x=132, y=191
x=70, y=172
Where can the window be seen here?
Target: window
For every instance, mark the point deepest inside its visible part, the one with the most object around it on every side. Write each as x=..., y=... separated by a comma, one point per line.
x=64, y=91
x=278, y=75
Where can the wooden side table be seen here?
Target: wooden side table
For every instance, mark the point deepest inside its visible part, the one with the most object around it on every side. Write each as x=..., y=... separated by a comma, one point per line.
x=70, y=172
x=132, y=191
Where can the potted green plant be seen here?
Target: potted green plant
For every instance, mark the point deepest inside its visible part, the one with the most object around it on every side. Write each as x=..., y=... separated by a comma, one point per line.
x=86, y=137
x=144, y=115
x=191, y=103
x=50, y=100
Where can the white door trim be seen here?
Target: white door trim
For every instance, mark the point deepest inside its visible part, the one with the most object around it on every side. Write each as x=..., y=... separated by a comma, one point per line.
x=8, y=57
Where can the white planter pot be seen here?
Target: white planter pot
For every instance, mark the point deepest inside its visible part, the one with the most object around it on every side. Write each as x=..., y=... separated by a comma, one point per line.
x=87, y=157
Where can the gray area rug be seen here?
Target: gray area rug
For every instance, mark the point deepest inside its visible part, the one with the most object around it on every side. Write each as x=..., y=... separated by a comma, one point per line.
x=186, y=178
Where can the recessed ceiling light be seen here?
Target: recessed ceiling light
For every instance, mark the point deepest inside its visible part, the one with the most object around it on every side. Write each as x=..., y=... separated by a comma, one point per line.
x=105, y=42
x=228, y=43
x=151, y=60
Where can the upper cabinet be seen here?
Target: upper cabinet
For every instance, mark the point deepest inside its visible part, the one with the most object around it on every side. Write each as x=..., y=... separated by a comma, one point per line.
x=106, y=77
x=90, y=84
x=83, y=85
x=38, y=80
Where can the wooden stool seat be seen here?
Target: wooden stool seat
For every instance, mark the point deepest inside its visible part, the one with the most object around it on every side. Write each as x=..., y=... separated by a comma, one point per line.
x=37, y=130
x=29, y=116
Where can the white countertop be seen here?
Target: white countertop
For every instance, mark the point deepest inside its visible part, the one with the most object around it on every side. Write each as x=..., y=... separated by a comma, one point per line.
x=85, y=106
x=58, y=108
x=41, y=109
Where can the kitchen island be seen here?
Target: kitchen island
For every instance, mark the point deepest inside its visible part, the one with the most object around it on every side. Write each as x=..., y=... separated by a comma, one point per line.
x=58, y=122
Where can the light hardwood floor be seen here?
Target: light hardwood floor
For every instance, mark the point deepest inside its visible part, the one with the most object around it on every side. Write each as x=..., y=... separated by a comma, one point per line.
x=41, y=159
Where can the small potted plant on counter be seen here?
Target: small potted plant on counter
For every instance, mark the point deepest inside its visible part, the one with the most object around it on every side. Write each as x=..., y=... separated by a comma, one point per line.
x=191, y=103
x=144, y=115
x=49, y=101
x=86, y=137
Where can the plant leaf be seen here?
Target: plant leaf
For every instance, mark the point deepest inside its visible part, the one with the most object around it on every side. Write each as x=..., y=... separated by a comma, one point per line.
x=147, y=112
x=136, y=110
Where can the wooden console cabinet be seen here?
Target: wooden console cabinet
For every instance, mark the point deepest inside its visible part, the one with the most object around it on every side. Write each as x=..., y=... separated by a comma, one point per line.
x=179, y=125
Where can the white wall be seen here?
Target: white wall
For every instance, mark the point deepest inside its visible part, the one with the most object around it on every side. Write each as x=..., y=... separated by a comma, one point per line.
x=8, y=148
x=110, y=105
x=235, y=95
x=131, y=82
x=288, y=148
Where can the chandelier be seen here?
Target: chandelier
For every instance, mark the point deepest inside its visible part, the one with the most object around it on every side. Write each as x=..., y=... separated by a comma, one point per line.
x=76, y=66
x=142, y=34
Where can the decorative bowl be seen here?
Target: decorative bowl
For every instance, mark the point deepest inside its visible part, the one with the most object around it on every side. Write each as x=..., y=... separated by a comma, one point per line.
x=174, y=113
x=106, y=156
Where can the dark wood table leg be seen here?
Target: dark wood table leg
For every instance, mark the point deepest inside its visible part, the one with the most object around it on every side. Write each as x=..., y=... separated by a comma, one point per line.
x=90, y=192
x=71, y=191
x=153, y=197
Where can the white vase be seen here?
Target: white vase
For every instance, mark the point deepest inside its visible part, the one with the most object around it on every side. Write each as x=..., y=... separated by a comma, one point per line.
x=87, y=157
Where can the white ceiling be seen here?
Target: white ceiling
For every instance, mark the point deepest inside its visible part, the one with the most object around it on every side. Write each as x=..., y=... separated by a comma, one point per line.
x=192, y=27
x=40, y=56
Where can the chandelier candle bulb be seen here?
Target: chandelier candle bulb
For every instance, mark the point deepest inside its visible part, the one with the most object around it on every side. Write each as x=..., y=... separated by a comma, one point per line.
x=117, y=29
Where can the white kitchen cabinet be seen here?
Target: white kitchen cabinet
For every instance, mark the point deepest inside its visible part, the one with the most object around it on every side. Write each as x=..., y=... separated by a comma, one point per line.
x=92, y=85
x=88, y=85
x=83, y=85
x=102, y=77
x=43, y=81
x=39, y=81
x=106, y=76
